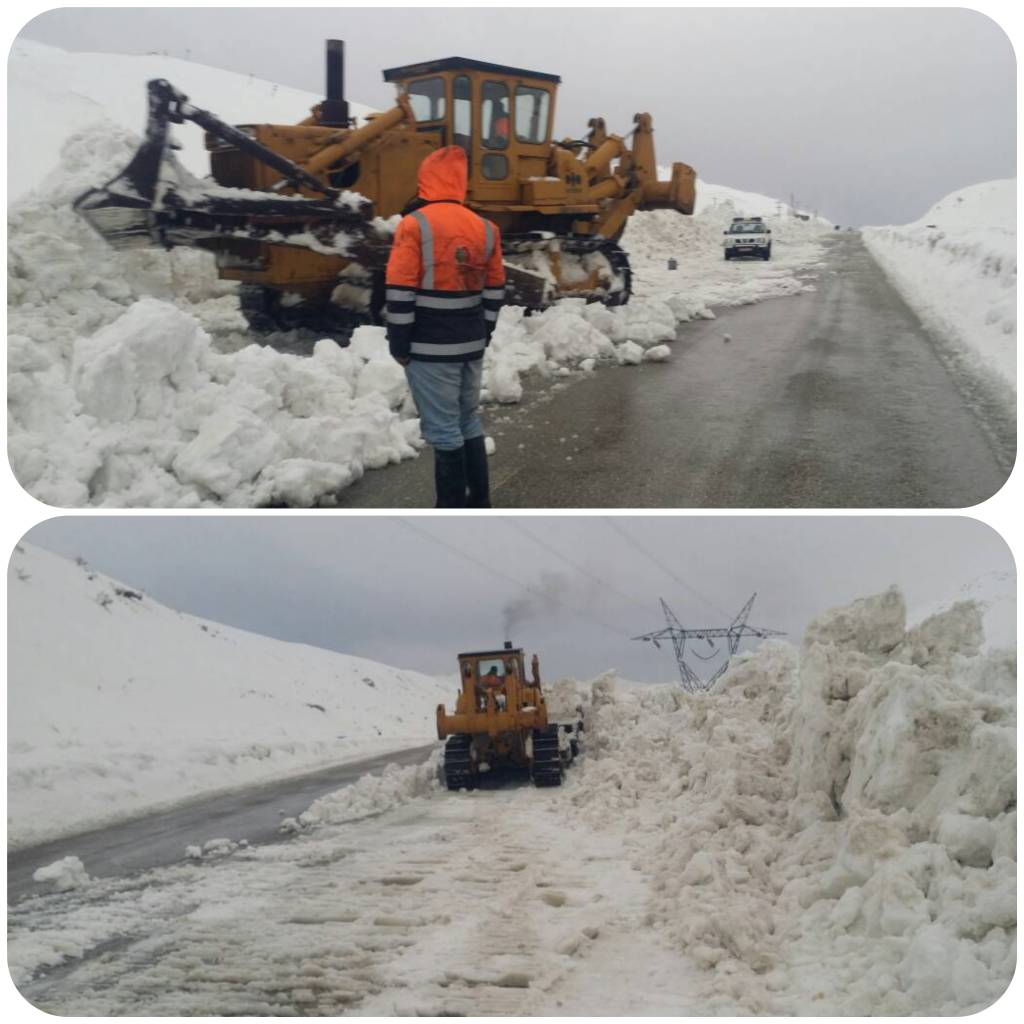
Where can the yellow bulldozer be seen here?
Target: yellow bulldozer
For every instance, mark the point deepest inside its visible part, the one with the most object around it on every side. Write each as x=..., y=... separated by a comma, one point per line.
x=302, y=215
x=500, y=724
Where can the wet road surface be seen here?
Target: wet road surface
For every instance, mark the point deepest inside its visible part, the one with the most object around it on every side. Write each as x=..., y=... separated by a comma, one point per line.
x=836, y=397
x=160, y=839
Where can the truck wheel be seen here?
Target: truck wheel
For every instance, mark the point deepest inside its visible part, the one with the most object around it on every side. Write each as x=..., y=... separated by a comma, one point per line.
x=767, y=255
x=728, y=254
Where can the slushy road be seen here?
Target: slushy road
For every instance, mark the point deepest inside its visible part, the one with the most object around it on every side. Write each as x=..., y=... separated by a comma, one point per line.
x=159, y=839
x=831, y=398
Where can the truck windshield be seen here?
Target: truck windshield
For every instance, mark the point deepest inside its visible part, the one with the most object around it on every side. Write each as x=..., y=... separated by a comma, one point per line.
x=746, y=227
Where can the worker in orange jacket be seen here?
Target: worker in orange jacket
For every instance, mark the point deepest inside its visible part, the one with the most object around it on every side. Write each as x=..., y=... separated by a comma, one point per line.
x=445, y=287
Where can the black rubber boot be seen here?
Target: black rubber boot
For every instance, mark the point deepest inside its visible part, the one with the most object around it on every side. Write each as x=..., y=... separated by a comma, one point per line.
x=450, y=478
x=476, y=474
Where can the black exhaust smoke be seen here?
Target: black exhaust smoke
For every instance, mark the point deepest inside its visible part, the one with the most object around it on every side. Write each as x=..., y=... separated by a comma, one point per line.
x=334, y=109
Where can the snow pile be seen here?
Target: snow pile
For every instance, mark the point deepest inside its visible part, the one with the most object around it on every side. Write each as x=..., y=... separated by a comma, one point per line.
x=117, y=396
x=64, y=875
x=133, y=380
x=373, y=794
x=138, y=706
x=703, y=279
x=957, y=269
x=834, y=829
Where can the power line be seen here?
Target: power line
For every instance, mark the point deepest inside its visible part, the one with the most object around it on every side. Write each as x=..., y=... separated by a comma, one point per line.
x=663, y=567
x=493, y=570
x=573, y=565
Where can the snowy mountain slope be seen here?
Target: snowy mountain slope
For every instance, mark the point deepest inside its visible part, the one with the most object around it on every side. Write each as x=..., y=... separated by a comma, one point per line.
x=957, y=269
x=743, y=203
x=53, y=93
x=102, y=414
x=117, y=704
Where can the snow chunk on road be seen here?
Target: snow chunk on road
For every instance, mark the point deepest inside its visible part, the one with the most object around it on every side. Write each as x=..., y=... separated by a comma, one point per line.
x=134, y=365
x=629, y=353
x=64, y=874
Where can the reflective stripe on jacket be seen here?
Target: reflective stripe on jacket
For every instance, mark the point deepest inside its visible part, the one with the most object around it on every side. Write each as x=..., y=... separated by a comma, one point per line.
x=445, y=278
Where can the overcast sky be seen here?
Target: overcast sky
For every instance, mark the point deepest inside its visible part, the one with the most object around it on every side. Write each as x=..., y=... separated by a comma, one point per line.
x=413, y=592
x=868, y=116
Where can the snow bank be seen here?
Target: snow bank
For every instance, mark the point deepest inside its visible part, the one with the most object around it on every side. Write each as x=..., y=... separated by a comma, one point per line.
x=831, y=830
x=117, y=396
x=957, y=269
x=133, y=380
x=373, y=794
x=138, y=706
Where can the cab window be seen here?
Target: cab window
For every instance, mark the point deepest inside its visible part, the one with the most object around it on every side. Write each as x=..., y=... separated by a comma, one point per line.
x=492, y=667
x=462, y=108
x=532, y=114
x=427, y=99
x=494, y=115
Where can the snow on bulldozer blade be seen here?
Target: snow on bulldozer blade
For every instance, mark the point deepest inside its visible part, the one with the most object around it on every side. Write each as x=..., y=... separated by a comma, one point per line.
x=830, y=831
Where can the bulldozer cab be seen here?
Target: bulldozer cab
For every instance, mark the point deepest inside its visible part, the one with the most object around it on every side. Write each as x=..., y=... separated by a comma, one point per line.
x=501, y=116
x=495, y=694
x=493, y=680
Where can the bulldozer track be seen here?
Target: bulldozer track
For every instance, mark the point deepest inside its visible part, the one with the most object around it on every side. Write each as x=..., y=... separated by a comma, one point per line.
x=547, y=759
x=458, y=769
x=265, y=314
x=618, y=263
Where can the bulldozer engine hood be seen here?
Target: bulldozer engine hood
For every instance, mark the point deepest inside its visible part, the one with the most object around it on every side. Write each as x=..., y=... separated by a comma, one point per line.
x=443, y=176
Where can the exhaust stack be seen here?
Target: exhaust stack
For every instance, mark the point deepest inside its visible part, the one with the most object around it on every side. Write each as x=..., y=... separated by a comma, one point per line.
x=334, y=109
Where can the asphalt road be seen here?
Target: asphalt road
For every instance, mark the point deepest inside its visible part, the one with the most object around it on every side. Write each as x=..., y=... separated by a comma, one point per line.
x=832, y=398
x=160, y=839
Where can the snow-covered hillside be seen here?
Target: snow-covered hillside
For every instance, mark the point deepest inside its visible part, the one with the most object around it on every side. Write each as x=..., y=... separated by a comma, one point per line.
x=133, y=380
x=52, y=93
x=957, y=269
x=117, y=704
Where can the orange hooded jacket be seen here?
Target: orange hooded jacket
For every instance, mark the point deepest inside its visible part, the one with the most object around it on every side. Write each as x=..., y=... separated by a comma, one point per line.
x=445, y=276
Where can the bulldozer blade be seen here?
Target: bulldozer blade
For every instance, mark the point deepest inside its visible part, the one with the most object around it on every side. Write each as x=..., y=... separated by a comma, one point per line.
x=120, y=210
x=195, y=216
x=155, y=201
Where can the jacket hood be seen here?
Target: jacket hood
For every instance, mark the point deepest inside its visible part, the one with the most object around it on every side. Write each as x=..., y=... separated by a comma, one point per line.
x=443, y=175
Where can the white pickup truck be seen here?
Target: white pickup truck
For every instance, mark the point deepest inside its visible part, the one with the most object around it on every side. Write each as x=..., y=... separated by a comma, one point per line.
x=747, y=236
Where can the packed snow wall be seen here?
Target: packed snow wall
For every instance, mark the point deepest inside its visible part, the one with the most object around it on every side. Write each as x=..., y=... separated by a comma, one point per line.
x=832, y=830
x=956, y=268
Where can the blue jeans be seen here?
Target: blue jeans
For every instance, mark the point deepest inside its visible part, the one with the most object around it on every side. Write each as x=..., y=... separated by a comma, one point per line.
x=447, y=396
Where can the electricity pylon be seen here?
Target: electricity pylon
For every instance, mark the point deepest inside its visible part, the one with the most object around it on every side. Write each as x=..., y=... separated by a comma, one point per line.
x=732, y=634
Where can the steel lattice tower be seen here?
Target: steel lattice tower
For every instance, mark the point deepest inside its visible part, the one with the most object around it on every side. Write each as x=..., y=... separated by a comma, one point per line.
x=732, y=634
